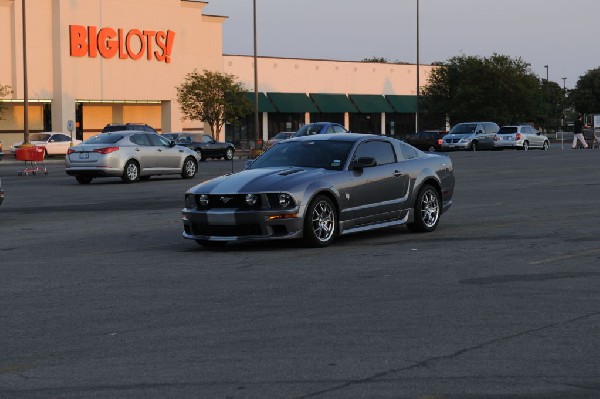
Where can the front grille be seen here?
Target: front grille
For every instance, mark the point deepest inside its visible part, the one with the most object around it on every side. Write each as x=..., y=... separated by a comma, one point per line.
x=233, y=201
x=227, y=231
x=452, y=141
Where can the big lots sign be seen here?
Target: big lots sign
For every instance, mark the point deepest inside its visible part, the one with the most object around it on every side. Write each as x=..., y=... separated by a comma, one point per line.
x=108, y=42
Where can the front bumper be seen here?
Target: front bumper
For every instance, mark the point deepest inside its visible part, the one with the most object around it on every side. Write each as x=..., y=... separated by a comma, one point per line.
x=241, y=225
x=455, y=146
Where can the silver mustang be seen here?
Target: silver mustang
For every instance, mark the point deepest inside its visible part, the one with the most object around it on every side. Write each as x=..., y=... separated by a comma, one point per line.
x=321, y=186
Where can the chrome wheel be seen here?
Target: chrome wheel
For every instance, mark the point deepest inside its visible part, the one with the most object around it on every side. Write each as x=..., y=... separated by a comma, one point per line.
x=131, y=172
x=189, y=168
x=525, y=146
x=545, y=146
x=229, y=154
x=427, y=210
x=321, y=222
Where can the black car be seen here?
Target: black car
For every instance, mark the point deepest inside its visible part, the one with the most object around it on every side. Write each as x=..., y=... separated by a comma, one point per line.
x=116, y=127
x=428, y=140
x=206, y=146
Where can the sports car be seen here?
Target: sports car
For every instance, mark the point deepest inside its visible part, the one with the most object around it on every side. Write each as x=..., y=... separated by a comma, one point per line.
x=319, y=187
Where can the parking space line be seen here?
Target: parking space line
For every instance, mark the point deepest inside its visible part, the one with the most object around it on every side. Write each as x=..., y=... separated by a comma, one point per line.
x=563, y=257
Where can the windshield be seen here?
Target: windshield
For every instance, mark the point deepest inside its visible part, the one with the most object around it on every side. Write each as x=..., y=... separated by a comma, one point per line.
x=464, y=128
x=307, y=130
x=282, y=136
x=507, y=130
x=326, y=154
x=39, y=137
x=104, y=138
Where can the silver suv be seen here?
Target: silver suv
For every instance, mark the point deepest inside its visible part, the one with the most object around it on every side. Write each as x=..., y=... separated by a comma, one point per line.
x=471, y=136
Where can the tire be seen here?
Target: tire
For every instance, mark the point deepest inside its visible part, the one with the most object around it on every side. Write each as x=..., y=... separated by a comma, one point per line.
x=200, y=155
x=525, y=146
x=427, y=210
x=211, y=244
x=83, y=179
x=189, y=168
x=545, y=146
x=473, y=146
x=131, y=172
x=229, y=154
x=320, y=222
x=431, y=148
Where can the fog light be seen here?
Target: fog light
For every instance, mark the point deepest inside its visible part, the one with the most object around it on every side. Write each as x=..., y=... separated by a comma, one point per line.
x=251, y=199
x=203, y=199
x=190, y=201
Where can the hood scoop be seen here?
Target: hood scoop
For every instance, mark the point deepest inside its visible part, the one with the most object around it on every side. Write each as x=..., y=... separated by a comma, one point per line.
x=290, y=172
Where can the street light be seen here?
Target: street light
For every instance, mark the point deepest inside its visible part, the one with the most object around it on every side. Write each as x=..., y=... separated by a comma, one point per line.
x=256, y=129
x=546, y=66
x=418, y=74
x=564, y=84
x=25, y=86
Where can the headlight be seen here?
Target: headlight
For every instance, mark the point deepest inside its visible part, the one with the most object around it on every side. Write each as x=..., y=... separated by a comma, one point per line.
x=203, y=200
x=285, y=200
x=464, y=140
x=251, y=199
x=190, y=201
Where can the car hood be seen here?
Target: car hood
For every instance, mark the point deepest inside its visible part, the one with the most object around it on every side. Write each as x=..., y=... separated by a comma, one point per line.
x=262, y=180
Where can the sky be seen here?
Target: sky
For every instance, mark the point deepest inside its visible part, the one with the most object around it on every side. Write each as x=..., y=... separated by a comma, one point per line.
x=564, y=35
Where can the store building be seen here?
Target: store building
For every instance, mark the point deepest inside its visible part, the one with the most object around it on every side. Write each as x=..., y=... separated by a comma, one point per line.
x=94, y=62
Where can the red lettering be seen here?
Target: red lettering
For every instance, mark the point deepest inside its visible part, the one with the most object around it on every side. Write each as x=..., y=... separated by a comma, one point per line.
x=79, y=46
x=132, y=53
x=149, y=34
x=93, y=41
x=107, y=45
x=122, y=52
x=161, y=42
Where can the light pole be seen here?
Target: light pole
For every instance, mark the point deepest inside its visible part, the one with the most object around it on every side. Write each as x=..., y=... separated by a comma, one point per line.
x=256, y=128
x=418, y=75
x=546, y=66
x=564, y=84
x=25, y=86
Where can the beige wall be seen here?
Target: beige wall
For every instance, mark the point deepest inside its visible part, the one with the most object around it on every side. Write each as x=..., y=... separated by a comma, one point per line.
x=325, y=76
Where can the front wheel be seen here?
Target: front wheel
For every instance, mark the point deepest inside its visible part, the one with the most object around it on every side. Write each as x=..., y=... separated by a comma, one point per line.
x=545, y=146
x=320, y=222
x=473, y=146
x=131, y=172
x=427, y=210
x=189, y=168
x=229, y=154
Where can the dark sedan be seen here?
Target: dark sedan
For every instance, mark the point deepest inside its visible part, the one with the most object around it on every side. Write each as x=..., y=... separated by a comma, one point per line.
x=428, y=140
x=206, y=146
x=321, y=186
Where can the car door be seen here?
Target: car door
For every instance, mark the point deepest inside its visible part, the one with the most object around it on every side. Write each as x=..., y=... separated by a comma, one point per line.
x=168, y=158
x=485, y=135
x=58, y=144
x=380, y=190
x=535, y=138
x=144, y=152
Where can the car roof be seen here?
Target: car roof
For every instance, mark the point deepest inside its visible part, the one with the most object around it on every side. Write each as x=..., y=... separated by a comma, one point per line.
x=129, y=132
x=338, y=137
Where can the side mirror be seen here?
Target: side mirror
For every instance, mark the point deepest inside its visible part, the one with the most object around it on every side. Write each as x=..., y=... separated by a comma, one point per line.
x=172, y=143
x=364, y=162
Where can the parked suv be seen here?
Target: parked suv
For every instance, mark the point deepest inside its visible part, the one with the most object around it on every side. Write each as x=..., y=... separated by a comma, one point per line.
x=116, y=127
x=471, y=136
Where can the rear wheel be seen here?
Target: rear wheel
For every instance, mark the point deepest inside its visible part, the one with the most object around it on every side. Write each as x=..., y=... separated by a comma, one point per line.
x=200, y=156
x=83, y=179
x=525, y=146
x=229, y=154
x=320, y=222
x=189, y=168
x=131, y=172
x=427, y=210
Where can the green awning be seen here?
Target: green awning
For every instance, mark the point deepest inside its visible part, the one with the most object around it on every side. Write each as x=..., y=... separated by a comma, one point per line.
x=292, y=102
x=403, y=104
x=333, y=102
x=371, y=103
x=264, y=105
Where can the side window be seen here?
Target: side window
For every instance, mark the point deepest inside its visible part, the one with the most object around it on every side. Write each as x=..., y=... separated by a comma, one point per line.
x=157, y=140
x=139, y=139
x=61, y=138
x=207, y=139
x=491, y=128
x=382, y=151
x=329, y=129
x=479, y=128
x=408, y=152
x=338, y=129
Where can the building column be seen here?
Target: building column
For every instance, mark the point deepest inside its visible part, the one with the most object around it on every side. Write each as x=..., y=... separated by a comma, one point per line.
x=383, y=124
x=306, y=118
x=63, y=110
x=117, y=113
x=265, y=126
x=347, y=120
x=170, y=117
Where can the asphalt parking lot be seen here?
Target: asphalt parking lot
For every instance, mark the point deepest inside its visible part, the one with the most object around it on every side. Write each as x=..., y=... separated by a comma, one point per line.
x=102, y=297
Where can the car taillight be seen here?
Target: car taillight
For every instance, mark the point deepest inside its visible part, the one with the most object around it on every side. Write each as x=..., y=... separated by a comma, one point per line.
x=70, y=151
x=106, y=150
x=518, y=136
x=439, y=141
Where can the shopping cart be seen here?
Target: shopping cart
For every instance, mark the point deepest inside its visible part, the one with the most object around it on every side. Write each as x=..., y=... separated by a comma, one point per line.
x=31, y=155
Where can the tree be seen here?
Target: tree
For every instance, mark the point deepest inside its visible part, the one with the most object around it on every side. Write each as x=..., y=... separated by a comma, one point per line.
x=586, y=94
x=213, y=97
x=496, y=88
x=4, y=91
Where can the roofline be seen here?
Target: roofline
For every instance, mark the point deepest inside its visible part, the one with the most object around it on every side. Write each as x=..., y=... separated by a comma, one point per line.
x=323, y=59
